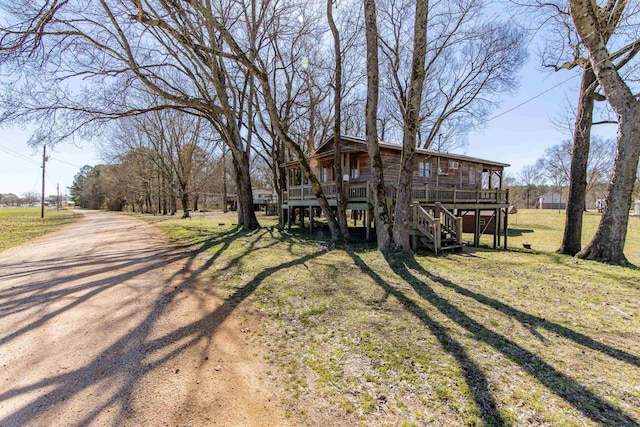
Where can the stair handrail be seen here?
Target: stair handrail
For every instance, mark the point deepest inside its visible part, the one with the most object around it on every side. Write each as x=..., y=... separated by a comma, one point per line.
x=451, y=223
x=428, y=226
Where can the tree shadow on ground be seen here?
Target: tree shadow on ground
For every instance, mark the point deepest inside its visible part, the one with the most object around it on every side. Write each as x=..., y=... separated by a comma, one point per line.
x=473, y=375
x=584, y=400
x=122, y=364
x=531, y=321
x=517, y=232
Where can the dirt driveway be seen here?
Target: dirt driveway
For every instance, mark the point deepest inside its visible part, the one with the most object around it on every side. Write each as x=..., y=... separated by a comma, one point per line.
x=103, y=324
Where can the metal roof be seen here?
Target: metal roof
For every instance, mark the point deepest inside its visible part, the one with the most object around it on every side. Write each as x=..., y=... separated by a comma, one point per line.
x=398, y=147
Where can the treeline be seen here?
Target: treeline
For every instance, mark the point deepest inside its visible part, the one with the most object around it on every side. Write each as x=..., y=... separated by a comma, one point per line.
x=164, y=161
x=528, y=196
x=137, y=185
x=551, y=173
x=30, y=198
x=10, y=199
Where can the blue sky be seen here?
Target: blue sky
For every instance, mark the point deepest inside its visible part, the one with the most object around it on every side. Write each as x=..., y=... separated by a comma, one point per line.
x=518, y=137
x=20, y=165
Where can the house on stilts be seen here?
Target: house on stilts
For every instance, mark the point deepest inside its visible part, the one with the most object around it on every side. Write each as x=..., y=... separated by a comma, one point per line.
x=451, y=193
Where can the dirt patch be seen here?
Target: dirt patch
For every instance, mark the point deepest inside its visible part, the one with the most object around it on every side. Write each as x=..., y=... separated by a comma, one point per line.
x=103, y=323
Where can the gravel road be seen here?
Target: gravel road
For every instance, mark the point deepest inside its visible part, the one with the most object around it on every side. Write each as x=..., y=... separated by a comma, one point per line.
x=103, y=323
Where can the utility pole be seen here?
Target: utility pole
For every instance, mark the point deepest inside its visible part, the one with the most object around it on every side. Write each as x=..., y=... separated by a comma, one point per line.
x=57, y=196
x=44, y=159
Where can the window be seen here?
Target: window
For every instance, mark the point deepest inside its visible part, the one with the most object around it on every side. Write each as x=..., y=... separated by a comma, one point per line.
x=353, y=167
x=298, y=177
x=472, y=175
x=424, y=170
x=324, y=173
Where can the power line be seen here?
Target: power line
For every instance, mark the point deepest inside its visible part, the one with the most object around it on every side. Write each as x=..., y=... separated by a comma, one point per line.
x=21, y=156
x=65, y=162
x=543, y=92
x=530, y=99
x=18, y=155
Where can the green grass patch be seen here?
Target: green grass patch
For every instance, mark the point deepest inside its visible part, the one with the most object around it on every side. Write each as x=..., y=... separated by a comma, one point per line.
x=19, y=225
x=488, y=338
x=543, y=230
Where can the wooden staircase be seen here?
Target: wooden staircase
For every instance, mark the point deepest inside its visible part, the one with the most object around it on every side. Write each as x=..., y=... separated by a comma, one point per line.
x=437, y=229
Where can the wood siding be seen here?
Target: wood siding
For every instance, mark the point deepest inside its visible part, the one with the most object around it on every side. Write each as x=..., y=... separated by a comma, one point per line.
x=467, y=175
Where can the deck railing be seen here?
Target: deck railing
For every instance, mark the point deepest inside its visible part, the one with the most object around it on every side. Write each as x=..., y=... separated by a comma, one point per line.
x=428, y=226
x=450, y=223
x=358, y=192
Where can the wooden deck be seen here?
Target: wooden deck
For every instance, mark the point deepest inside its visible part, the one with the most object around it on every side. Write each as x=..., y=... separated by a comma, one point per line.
x=436, y=217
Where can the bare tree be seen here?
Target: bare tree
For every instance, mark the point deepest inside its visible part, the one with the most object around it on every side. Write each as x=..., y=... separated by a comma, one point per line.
x=114, y=47
x=563, y=50
x=592, y=23
x=556, y=163
x=410, y=107
x=472, y=58
x=341, y=208
x=380, y=209
x=469, y=58
x=179, y=144
x=246, y=52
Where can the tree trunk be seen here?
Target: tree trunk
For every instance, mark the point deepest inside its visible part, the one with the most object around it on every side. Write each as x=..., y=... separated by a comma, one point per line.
x=280, y=175
x=380, y=209
x=185, y=201
x=173, y=200
x=341, y=207
x=576, y=202
x=334, y=229
x=411, y=118
x=608, y=243
x=246, y=215
x=224, y=180
x=272, y=110
x=165, y=203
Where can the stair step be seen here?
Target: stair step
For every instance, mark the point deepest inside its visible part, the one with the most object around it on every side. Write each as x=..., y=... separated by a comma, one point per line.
x=452, y=248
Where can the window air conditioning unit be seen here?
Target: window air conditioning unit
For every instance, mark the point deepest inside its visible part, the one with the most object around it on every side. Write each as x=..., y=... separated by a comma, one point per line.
x=453, y=165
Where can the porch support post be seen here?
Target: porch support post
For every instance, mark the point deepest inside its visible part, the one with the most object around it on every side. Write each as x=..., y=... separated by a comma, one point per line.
x=367, y=224
x=310, y=218
x=506, y=216
x=496, y=227
x=499, y=225
x=476, y=232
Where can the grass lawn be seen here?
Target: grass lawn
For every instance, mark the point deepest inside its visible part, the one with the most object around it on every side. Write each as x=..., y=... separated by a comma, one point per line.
x=19, y=225
x=481, y=338
x=543, y=230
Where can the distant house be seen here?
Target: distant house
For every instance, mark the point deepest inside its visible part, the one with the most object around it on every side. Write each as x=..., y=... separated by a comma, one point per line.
x=261, y=199
x=551, y=201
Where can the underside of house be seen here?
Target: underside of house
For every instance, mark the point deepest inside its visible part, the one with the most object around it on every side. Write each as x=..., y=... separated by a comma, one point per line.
x=451, y=193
